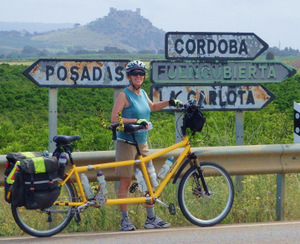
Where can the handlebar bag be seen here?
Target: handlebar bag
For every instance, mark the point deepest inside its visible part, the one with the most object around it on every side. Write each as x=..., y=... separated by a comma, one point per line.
x=36, y=183
x=194, y=120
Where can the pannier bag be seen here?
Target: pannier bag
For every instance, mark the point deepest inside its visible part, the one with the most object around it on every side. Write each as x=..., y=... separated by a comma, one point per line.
x=13, y=159
x=36, y=183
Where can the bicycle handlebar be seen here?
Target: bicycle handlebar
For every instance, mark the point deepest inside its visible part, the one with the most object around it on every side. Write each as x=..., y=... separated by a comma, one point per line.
x=120, y=126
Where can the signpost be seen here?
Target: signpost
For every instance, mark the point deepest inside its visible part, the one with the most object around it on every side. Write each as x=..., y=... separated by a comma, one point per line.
x=219, y=72
x=213, y=45
x=78, y=73
x=228, y=85
x=54, y=73
x=233, y=97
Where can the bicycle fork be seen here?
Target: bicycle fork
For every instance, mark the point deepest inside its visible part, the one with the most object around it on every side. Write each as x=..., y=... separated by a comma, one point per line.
x=196, y=177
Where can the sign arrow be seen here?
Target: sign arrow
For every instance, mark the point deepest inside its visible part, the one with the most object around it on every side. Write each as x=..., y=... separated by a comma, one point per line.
x=233, y=97
x=213, y=45
x=78, y=73
x=226, y=72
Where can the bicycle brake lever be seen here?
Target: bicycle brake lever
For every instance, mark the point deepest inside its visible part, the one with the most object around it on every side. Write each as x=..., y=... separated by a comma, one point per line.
x=201, y=99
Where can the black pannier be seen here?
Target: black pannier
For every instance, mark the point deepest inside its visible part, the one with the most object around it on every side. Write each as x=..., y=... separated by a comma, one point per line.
x=36, y=183
x=10, y=167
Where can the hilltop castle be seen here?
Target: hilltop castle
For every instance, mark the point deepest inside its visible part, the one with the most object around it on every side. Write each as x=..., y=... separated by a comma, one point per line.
x=114, y=11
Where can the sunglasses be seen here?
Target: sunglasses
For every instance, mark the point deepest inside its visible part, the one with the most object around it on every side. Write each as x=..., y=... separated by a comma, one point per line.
x=136, y=73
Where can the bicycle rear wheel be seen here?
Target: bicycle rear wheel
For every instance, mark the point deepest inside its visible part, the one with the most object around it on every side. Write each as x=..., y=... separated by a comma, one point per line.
x=46, y=222
x=206, y=209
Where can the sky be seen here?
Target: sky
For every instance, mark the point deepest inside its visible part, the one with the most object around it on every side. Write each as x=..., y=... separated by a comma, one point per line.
x=277, y=22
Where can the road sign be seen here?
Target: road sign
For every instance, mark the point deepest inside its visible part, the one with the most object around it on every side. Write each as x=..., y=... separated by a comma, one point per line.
x=78, y=73
x=164, y=71
x=213, y=45
x=296, y=122
x=233, y=97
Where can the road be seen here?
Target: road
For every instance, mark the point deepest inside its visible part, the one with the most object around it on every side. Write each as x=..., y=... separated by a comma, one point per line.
x=275, y=232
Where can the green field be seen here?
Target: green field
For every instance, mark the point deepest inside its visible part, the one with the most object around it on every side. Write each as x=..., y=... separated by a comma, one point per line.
x=24, y=127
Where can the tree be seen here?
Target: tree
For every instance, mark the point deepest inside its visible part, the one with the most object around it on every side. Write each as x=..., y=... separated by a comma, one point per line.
x=30, y=50
x=270, y=56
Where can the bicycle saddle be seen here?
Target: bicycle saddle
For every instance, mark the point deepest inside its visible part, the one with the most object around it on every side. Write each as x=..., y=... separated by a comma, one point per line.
x=64, y=140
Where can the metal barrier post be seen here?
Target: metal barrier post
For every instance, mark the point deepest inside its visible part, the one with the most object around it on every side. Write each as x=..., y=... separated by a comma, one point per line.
x=280, y=196
x=239, y=140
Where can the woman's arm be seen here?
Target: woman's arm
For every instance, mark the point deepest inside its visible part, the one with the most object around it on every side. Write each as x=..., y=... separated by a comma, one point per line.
x=158, y=105
x=120, y=103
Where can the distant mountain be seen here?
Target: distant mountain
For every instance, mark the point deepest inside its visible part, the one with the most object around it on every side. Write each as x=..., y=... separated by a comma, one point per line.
x=129, y=28
x=33, y=27
x=125, y=29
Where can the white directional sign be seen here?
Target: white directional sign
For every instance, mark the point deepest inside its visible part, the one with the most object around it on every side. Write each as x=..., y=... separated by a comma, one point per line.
x=78, y=73
x=164, y=71
x=234, y=97
x=213, y=45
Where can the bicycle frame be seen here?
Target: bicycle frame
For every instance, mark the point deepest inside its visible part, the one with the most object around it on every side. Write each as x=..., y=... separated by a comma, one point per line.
x=142, y=161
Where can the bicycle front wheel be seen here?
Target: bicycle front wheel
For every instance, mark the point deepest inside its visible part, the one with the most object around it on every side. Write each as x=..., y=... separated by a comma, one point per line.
x=197, y=206
x=46, y=222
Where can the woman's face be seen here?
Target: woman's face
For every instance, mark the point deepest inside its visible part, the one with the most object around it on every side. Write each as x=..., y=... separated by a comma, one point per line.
x=137, y=77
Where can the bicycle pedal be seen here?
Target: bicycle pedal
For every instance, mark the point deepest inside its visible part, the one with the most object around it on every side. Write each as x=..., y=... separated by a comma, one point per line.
x=49, y=219
x=172, y=209
x=133, y=187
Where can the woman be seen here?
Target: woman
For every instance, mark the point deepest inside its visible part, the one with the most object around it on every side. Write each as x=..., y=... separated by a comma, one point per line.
x=136, y=107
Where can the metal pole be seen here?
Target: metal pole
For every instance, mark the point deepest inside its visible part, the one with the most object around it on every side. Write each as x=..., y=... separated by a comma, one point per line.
x=239, y=140
x=178, y=124
x=280, y=196
x=52, y=117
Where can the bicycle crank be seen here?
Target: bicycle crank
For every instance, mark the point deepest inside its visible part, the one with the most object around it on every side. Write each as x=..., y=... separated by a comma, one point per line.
x=171, y=207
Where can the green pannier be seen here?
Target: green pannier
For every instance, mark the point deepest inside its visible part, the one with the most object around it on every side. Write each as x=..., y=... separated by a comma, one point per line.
x=36, y=183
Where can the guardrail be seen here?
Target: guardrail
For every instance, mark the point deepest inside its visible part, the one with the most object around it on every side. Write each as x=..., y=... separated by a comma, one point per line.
x=237, y=160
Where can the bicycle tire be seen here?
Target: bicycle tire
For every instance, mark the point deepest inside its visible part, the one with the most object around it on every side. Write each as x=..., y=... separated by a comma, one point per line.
x=47, y=222
x=206, y=210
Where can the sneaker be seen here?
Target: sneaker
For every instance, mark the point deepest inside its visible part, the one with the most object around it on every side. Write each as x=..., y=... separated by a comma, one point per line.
x=126, y=225
x=155, y=222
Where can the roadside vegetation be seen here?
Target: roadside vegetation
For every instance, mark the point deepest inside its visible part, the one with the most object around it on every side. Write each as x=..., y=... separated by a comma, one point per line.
x=24, y=127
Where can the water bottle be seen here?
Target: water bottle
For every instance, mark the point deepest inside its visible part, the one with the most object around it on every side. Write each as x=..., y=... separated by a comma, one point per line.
x=62, y=160
x=152, y=175
x=166, y=167
x=140, y=180
x=102, y=182
x=87, y=187
x=46, y=154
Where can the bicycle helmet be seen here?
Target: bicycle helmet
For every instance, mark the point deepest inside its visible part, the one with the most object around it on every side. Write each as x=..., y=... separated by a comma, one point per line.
x=135, y=64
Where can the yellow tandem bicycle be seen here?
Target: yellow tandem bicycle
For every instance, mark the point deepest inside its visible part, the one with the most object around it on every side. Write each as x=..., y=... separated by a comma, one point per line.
x=205, y=192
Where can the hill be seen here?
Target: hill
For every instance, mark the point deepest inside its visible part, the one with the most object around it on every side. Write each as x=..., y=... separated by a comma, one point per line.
x=126, y=29
x=33, y=27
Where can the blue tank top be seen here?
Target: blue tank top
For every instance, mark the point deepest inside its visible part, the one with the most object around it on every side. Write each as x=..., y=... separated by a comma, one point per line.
x=138, y=109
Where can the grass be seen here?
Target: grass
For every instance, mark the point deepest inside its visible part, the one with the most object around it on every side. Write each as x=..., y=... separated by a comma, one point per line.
x=255, y=203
